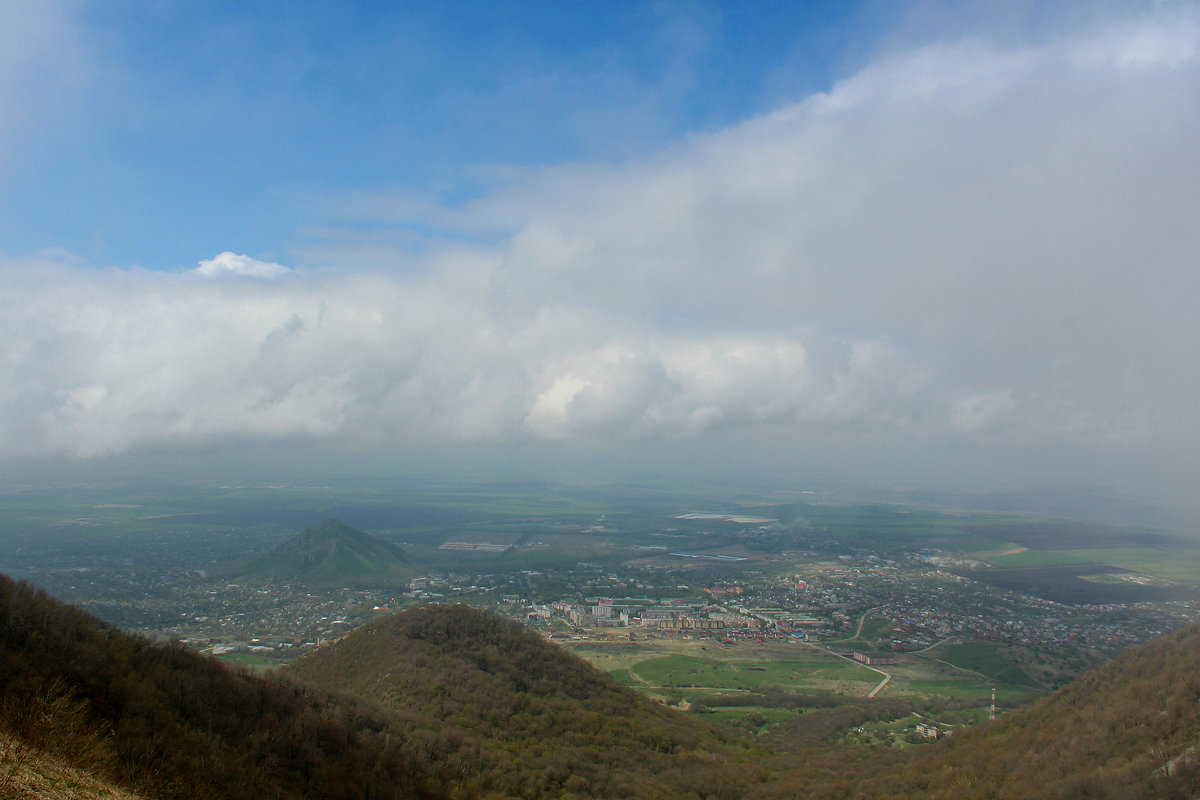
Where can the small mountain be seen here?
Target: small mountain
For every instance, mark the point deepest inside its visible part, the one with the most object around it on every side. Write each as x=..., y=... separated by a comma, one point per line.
x=334, y=554
x=504, y=713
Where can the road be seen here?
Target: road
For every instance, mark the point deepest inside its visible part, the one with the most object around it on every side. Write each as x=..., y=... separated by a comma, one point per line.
x=879, y=686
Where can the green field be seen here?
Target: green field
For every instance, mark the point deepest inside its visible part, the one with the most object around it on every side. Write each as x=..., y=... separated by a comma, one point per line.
x=872, y=627
x=816, y=671
x=749, y=719
x=1044, y=558
x=691, y=667
x=678, y=669
x=985, y=659
x=1179, y=566
x=254, y=662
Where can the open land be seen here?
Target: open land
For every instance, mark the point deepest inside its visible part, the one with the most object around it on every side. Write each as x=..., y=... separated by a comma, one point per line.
x=690, y=599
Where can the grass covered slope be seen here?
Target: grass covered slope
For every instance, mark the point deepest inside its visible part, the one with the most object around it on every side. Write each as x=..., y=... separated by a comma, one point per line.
x=333, y=554
x=30, y=773
x=503, y=712
x=1127, y=730
x=168, y=723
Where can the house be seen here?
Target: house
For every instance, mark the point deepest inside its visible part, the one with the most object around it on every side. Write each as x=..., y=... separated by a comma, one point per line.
x=875, y=659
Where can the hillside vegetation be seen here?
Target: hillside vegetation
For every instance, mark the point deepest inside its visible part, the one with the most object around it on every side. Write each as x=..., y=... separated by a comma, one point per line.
x=446, y=701
x=1129, y=729
x=518, y=716
x=169, y=723
x=1125, y=731
x=33, y=773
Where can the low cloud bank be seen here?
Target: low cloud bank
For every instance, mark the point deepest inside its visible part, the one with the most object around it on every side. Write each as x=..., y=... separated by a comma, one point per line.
x=959, y=245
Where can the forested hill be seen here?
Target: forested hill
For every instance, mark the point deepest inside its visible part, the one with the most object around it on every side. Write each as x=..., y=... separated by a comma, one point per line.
x=330, y=554
x=169, y=723
x=451, y=702
x=446, y=701
x=1128, y=730
x=520, y=717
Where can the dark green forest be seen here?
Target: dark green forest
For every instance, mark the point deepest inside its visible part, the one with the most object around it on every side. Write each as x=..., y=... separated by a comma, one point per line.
x=447, y=701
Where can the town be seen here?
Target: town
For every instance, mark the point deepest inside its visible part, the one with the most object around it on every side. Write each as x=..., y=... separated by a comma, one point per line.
x=885, y=605
x=874, y=580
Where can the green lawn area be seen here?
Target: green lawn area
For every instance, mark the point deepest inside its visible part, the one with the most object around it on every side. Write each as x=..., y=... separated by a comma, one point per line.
x=1044, y=558
x=745, y=719
x=984, y=658
x=940, y=678
x=622, y=676
x=689, y=671
x=801, y=669
x=965, y=687
x=872, y=627
x=255, y=662
x=1179, y=566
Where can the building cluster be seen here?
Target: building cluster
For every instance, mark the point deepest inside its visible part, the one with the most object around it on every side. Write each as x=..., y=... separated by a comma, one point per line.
x=875, y=659
x=603, y=612
x=477, y=547
x=889, y=605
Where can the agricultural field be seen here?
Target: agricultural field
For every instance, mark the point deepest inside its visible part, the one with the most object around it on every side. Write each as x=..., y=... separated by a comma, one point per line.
x=676, y=664
x=1074, y=584
x=809, y=670
x=689, y=667
x=757, y=688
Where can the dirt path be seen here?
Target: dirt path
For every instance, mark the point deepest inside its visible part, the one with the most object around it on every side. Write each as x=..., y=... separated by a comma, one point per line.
x=861, y=622
x=879, y=686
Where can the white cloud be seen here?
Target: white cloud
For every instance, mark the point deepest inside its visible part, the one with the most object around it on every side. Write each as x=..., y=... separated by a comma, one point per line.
x=228, y=263
x=961, y=244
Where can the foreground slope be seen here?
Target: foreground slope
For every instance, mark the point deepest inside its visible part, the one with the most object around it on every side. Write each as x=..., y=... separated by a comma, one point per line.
x=32, y=773
x=452, y=702
x=334, y=554
x=1127, y=730
x=502, y=711
x=169, y=723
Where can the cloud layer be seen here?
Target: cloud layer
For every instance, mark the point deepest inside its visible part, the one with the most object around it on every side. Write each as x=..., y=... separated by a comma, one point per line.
x=959, y=244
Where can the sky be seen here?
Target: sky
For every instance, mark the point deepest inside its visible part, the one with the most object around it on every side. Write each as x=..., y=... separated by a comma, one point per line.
x=903, y=241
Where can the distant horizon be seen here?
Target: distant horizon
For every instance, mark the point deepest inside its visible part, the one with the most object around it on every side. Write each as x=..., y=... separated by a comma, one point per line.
x=1067, y=500
x=944, y=245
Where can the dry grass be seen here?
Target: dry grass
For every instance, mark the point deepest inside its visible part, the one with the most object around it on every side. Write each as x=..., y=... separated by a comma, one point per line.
x=32, y=774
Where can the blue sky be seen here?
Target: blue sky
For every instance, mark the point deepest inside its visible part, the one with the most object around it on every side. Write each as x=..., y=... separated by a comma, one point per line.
x=223, y=125
x=907, y=241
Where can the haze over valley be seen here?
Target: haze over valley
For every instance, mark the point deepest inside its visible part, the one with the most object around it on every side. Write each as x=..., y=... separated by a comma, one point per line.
x=688, y=399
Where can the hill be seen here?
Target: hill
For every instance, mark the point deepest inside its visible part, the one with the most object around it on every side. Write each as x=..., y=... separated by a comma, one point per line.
x=333, y=554
x=1127, y=730
x=168, y=723
x=446, y=701
x=517, y=716
x=449, y=702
